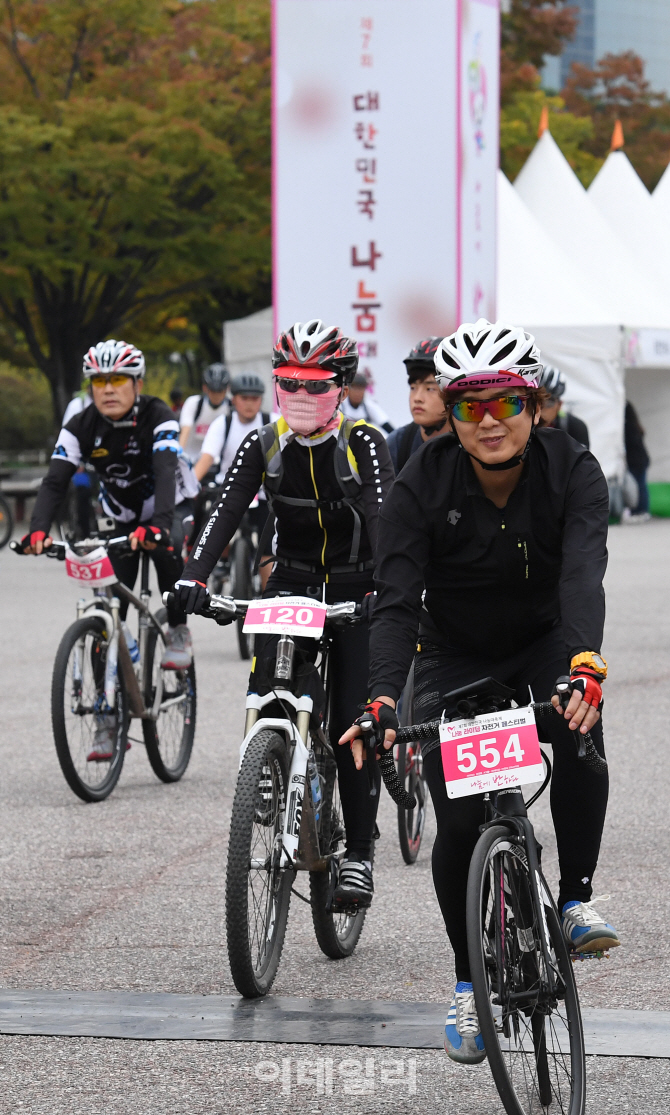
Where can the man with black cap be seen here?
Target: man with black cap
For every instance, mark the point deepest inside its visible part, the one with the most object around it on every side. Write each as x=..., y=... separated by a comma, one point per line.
x=199, y=411
x=425, y=403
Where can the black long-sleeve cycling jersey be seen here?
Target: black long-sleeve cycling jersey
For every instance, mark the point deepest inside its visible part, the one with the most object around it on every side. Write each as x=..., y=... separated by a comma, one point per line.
x=495, y=579
x=142, y=470
x=315, y=539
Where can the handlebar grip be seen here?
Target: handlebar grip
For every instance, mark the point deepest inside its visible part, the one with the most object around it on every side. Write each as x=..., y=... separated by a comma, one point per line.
x=392, y=781
x=168, y=599
x=17, y=548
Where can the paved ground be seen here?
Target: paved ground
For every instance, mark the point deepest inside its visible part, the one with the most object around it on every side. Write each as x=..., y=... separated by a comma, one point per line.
x=128, y=894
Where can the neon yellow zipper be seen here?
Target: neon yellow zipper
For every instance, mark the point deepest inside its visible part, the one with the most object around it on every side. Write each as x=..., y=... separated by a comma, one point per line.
x=318, y=510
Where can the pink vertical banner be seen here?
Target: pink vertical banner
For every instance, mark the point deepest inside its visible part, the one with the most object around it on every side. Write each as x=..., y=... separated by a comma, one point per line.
x=478, y=146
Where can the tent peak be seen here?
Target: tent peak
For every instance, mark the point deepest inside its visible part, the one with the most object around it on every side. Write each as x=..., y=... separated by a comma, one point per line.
x=617, y=136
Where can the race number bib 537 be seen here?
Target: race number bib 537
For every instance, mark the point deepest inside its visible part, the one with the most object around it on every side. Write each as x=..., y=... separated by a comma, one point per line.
x=286, y=615
x=94, y=569
x=490, y=752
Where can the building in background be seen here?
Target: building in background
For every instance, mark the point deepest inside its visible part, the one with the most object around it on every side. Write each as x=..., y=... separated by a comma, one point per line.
x=611, y=27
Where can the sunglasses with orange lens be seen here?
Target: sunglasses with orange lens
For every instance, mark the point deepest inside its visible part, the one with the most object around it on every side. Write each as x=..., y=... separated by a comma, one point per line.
x=117, y=379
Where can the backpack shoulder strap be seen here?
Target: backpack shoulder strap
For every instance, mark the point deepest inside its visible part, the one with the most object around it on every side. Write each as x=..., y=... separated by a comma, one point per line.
x=406, y=443
x=198, y=409
x=268, y=437
x=228, y=423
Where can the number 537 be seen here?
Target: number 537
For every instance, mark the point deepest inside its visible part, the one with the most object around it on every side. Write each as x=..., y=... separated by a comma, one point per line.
x=489, y=754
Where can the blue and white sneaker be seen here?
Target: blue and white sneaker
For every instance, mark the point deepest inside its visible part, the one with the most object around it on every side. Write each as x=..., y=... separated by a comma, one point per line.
x=463, y=1041
x=585, y=930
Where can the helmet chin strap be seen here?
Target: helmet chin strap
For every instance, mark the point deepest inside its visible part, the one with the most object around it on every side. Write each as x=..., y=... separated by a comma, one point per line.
x=503, y=466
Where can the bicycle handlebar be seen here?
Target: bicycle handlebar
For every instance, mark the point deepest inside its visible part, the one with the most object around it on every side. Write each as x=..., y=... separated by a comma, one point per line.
x=586, y=750
x=226, y=609
x=119, y=545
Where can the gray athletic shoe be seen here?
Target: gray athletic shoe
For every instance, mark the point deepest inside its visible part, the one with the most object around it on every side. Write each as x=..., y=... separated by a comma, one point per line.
x=354, y=884
x=463, y=1041
x=178, y=653
x=104, y=738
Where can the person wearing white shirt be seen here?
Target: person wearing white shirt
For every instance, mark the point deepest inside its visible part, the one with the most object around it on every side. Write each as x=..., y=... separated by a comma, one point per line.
x=226, y=434
x=76, y=404
x=356, y=406
x=199, y=411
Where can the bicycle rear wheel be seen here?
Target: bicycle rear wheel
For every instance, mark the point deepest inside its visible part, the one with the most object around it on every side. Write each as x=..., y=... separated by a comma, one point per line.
x=77, y=703
x=169, y=739
x=337, y=931
x=528, y=1011
x=258, y=887
x=241, y=588
x=6, y=522
x=411, y=822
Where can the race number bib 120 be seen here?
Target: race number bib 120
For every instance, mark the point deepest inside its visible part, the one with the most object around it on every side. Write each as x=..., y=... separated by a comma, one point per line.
x=491, y=752
x=94, y=569
x=286, y=615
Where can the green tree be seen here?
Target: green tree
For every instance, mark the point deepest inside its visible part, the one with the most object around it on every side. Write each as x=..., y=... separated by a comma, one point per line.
x=133, y=168
x=519, y=123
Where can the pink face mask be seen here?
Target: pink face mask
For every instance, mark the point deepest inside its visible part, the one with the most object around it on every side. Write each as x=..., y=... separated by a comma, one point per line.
x=306, y=414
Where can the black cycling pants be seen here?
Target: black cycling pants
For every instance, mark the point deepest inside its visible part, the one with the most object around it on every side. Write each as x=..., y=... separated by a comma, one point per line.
x=578, y=795
x=348, y=689
x=169, y=565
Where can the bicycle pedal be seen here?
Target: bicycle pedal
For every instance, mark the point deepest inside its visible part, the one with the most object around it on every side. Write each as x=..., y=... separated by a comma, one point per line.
x=604, y=955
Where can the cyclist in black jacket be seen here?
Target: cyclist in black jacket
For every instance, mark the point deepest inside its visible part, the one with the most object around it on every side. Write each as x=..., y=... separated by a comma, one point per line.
x=326, y=478
x=146, y=483
x=505, y=526
x=429, y=418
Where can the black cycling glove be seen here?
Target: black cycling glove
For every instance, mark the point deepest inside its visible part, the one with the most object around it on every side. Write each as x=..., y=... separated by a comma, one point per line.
x=380, y=717
x=192, y=596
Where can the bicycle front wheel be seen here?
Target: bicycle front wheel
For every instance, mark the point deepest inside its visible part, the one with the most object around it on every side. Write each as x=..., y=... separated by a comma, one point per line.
x=241, y=588
x=528, y=1008
x=169, y=738
x=258, y=886
x=337, y=931
x=6, y=522
x=411, y=822
x=90, y=739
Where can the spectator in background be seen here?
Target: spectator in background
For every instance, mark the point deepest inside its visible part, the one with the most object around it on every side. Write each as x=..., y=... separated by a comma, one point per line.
x=638, y=462
x=552, y=413
x=79, y=401
x=199, y=411
x=425, y=403
x=176, y=401
x=356, y=406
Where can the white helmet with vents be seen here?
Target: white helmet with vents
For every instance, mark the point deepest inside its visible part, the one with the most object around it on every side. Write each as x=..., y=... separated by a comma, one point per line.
x=114, y=356
x=487, y=355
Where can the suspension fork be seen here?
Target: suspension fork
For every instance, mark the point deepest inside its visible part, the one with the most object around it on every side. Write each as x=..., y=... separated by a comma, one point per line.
x=111, y=665
x=143, y=626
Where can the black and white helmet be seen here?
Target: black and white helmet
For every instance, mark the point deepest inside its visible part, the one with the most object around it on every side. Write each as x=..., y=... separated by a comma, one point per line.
x=216, y=377
x=487, y=355
x=552, y=379
x=114, y=356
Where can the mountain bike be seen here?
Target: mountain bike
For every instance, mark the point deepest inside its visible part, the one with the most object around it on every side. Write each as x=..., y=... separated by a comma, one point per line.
x=286, y=813
x=411, y=821
x=521, y=965
x=101, y=671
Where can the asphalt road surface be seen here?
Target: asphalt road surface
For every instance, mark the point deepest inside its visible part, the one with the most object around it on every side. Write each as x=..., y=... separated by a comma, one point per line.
x=128, y=894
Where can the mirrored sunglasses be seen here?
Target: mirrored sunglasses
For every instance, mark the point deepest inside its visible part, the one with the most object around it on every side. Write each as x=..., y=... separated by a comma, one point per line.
x=116, y=380
x=472, y=410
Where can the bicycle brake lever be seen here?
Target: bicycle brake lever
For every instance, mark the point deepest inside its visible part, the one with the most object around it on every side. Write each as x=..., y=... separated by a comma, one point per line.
x=370, y=745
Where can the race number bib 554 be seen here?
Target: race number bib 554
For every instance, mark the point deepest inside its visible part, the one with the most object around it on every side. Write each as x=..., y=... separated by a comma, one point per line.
x=286, y=615
x=94, y=569
x=490, y=752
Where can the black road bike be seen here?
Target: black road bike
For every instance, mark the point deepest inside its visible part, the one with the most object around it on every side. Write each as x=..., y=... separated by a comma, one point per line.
x=520, y=961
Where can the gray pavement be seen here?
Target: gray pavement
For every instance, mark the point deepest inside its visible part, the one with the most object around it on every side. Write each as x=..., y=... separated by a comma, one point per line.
x=128, y=894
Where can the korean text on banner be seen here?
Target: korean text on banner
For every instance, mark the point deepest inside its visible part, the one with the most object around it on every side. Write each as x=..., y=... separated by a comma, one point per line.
x=367, y=176
x=490, y=752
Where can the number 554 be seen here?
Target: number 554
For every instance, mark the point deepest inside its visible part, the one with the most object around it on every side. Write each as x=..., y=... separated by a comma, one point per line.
x=489, y=755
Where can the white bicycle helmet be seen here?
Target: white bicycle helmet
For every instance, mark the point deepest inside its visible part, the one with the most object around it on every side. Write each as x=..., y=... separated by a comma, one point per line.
x=487, y=355
x=552, y=378
x=114, y=356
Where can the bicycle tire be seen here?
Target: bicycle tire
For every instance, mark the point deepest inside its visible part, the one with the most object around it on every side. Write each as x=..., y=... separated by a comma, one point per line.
x=411, y=822
x=256, y=918
x=242, y=589
x=70, y=751
x=6, y=522
x=337, y=932
x=542, y=1063
x=169, y=740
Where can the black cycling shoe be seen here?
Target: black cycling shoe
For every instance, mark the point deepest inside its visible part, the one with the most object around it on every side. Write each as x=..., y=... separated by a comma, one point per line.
x=354, y=885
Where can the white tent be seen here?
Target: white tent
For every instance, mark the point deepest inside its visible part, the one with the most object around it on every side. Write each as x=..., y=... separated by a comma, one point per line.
x=556, y=197
x=661, y=195
x=622, y=198
x=247, y=345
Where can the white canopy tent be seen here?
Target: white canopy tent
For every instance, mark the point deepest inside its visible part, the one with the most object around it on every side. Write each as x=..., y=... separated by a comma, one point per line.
x=247, y=345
